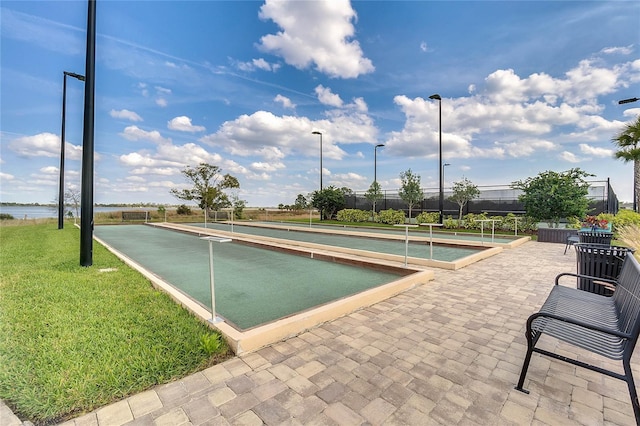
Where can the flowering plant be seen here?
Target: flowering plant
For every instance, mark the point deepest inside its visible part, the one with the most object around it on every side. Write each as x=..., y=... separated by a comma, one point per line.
x=594, y=223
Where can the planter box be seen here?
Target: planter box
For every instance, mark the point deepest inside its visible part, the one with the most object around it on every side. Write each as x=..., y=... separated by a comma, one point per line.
x=555, y=235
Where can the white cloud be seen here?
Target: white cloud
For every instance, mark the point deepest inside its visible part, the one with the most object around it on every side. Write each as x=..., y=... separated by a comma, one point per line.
x=125, y=114
x=50, y=170
x=162, y=102
x=315, y=32
x=134, y=133
x=257, y=64
x=6, y=176
x=423, y=46
x=623, y=50
x=569, y=157
x=596, y=151
x=40, y=145
x=326, y=97
x=183, y=124
x=286, y=102
x=267, y=167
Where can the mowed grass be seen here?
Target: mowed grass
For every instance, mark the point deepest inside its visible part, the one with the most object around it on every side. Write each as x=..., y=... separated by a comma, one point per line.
x=75, y=338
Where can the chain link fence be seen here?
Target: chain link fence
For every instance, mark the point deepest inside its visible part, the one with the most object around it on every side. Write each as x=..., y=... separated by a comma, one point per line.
x=497, y=200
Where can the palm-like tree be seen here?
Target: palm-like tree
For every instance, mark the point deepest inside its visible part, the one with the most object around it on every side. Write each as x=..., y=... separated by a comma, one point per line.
x=628, y=143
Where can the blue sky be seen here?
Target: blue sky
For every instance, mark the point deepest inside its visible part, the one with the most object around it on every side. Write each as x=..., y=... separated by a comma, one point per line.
x=526, y=87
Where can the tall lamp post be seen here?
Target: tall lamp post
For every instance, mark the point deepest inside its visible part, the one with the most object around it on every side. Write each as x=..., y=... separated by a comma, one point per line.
x=375, y=161
x=375, y=170
x=443, y=179
x=441, y=195
x=635, y=196
x=64, y=108
x=318, y=133
x=86, y=196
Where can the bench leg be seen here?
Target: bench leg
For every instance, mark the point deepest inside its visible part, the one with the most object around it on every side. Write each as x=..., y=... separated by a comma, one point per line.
x=632, y=389
x=523, y=373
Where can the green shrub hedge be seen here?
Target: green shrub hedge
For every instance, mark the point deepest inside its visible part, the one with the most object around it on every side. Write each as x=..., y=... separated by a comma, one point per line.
x=391, y=217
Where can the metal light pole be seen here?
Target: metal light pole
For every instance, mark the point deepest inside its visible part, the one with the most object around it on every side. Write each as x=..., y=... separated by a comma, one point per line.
x=375, y=161
x=375, y=170
x=635, y=195
x=86, y=196
x=318, y=133
x=64, y=107
x=441, y=195
x=443, y=179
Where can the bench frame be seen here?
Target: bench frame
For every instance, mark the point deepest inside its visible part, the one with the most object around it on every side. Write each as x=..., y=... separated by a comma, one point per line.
x=608, y=326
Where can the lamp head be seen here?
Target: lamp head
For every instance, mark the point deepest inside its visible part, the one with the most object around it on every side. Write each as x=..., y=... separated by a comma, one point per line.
x=315, y=132
x=628, y=101
x=380, y=145
x=74, y=75
x=436, y=96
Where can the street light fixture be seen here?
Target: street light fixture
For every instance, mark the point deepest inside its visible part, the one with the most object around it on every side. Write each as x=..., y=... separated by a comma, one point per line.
x=64, y=107
x=443, y=179
x=441, y=194
x=628, y=101
x=318, y=133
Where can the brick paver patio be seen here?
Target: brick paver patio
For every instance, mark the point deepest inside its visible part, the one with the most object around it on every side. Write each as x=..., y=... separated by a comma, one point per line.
x=446, y=353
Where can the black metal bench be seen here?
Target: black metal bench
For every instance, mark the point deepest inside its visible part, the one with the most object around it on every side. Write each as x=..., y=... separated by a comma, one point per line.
x=595, y=237
x=135, y=215
x=608, y=326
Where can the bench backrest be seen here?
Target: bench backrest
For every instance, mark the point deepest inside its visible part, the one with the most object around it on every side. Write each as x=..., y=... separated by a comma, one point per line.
x=595, y=237
x=627, y=300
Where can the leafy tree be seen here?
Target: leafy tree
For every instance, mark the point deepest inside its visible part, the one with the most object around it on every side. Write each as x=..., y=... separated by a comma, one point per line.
x=410, y=191
x=208, y=187
x=328, y=201
x=238, y=206
x=301, y=202
x=628, y=144
x=551, y=196
x=463, y=192
x=373, y=194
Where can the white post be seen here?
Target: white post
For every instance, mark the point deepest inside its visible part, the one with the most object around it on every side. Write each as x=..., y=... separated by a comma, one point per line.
x=212, y=282
x=406, y=241
x=431, y=225
x=214, y=319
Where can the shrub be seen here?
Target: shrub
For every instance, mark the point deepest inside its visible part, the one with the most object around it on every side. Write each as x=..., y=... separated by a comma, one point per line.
x=392, y=217
x=626, y=217
x=183, y=210
x=450, y=223
x=353, y=215
x=6, y=216
x=471, y=220
x=426, y=217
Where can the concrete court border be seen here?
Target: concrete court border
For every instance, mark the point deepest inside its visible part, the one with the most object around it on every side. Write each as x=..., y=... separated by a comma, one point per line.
x=483, y=253
x=336, y=229
x=243, y=341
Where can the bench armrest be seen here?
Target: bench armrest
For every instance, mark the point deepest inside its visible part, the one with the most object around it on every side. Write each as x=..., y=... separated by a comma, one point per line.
x=569, y=274
x=576, y=322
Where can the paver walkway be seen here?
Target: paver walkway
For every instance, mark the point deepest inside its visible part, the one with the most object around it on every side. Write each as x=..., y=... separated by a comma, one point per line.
x=445, y=353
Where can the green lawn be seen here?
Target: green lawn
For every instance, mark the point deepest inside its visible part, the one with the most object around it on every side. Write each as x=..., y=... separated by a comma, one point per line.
x=76, y=338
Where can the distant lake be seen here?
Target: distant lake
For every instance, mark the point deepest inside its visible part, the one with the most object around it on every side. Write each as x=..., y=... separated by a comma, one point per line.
x=41, y=212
